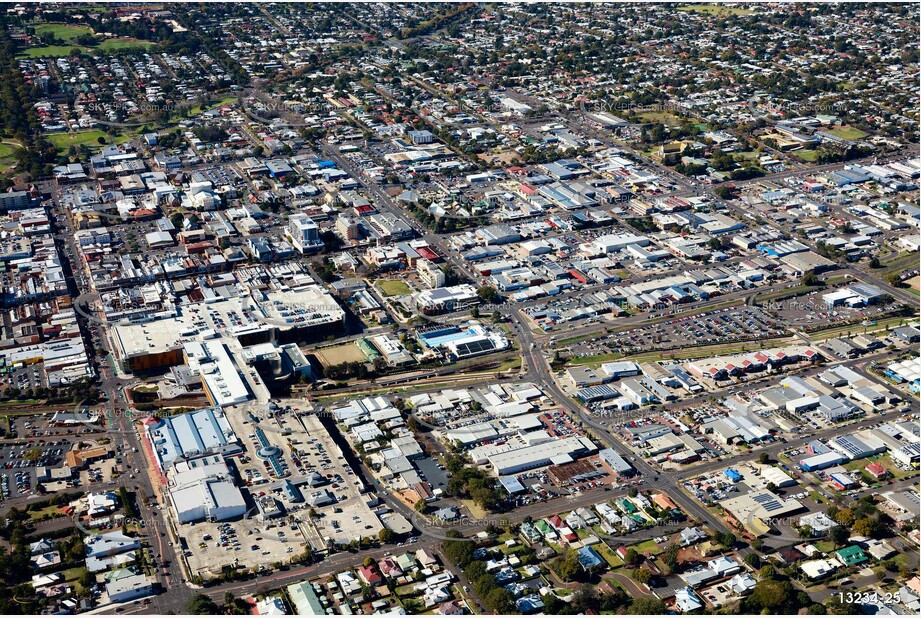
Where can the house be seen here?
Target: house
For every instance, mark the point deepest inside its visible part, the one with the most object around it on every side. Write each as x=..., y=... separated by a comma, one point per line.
x=389, y=568
x=47, y=559
x=451, y=608
x=40, y=547
x=742, y=584
x=271, y=606
x=435, y=595
x=529, y=604
x=589, y=559
x=369, y=576
x=689, y=536
x=877, y=471
x=850, y=556
x=818, y=569
x=686, y=600
x=425, y=559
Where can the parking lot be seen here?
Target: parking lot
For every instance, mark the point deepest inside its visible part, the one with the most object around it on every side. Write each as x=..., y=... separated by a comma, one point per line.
x=721, y=326
x=212, y=545
x=18, y=463
x=332, y=494
x=25, y=378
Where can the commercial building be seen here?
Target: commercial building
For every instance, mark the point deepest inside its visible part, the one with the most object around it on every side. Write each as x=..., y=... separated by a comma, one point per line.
x=304, y=233
x=556, y=452
x=757, y=509
x=202, y=489
x=189, y=435
x=157, y=340
x=430, y=274
x=446, y=300
x=124, y=585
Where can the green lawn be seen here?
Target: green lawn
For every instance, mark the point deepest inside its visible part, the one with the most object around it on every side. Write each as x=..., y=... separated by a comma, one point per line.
x=848, y=133
x=608, y=554
x=512, y=363
x=824, y=546
x=393, y=287
x=682, y=353
x=7, y=160
x=90, y=139
x=69, y=34
x=660, y=117
x=715, y=9
x=51, y=51
x=856, y=329
x=901, y=262
x=885, y=461
x=648, y=547
x=809, y=156
x=65, y=32
x=125, y=43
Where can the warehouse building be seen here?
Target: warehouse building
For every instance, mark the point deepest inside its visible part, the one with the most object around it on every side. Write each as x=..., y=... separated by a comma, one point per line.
x=820, y=462
x=757, y=509
x=203, y=489
x=556, y=452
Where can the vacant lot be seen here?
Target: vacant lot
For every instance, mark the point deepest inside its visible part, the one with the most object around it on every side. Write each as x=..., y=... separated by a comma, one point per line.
x=849, y=133
x=393, y=287
x=660, y=117
x=338, y=354
x=805, y=155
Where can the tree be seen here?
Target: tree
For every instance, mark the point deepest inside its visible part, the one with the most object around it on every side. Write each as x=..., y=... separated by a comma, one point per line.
x=869, y=527
x=632, y=557
x=836, y=605
x=764, y=458
x=201, y=605
x=641, y=575
x=585, y=598
x=726, y=539
x=475, y=570
x=753, y=560
x=500, y=600
x=838, y=535
x=386, y=535
x=460, y=552
x=670, y=556
x=488, y=294
x=724, y=192
x=809, y=278
x=845, y=517
x=647, y=606
x=894, y=279
x=769, y=594
x=567, y=566
x=87, y=579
